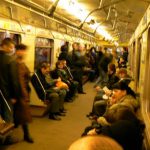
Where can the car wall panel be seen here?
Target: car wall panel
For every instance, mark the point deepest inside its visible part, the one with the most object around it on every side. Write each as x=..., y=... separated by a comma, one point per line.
x=29, y=40
x=57, y=45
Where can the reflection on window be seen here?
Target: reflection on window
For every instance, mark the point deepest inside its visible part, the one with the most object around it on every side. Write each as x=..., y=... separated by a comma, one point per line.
x=43, y=50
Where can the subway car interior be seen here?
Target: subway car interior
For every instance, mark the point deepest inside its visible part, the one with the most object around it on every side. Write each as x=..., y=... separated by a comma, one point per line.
x=75, y=74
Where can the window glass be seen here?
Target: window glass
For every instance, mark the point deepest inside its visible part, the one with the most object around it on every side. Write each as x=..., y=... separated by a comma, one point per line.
x=43, y=50
x=139, y=61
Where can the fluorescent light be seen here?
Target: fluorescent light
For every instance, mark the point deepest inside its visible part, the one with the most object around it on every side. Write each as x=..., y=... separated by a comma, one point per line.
x=94, y=26
x=101, y=30
x=116, y=43
x=74, y=8
x=77, y=10
x=104, y=33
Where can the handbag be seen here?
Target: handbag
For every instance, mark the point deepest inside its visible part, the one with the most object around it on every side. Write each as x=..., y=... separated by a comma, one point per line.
x=61, y=85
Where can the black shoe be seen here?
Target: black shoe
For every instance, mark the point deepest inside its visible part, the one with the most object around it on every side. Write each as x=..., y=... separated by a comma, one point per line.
x=63, y=110
x=82, y=93
x=69, y=101
x=28, y=139
x=89, y=115
x=54, y=117
x=93, y=117
x=60, y=114
x=9, y=140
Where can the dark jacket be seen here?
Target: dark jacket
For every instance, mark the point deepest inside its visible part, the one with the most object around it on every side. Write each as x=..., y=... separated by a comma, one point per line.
x=9, y=83
x=46, y=86
x=112, y=79
x=127, y=133
x=108, y=81
x=103, y=63
x=128, y=101
x=78, y=60
x=21, y=108
x=63, y=55
x=62, y=74
x=66, y=56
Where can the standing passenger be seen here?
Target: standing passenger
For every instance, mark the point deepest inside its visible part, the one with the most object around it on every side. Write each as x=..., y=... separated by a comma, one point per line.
x=9, y=84
x=78, y=66
x=22, y=114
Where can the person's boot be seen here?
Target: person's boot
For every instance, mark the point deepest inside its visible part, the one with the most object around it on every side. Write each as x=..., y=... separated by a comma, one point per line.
x=27, y=136
x=9, y=140
x=54, y=117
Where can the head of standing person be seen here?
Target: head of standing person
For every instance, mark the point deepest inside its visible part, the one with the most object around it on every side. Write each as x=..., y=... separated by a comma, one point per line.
x=81, y=47
x=95, y=143
x=64, y=48
x=21, y=50
x=75, y=46
x=8, y=45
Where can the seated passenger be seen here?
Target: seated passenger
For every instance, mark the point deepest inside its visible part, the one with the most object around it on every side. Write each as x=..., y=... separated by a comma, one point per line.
x=60, y=72
x=124, y=127
x=123, y=75
x=53, y=94
x=109, y=80
x=122, y=63
x=103, y=87
x=122, y=95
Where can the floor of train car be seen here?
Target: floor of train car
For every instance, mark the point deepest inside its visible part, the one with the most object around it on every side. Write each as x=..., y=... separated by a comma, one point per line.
x=58, y=135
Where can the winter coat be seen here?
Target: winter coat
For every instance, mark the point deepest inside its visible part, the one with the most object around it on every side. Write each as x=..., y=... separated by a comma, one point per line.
x=8, y=76
x=21, y=108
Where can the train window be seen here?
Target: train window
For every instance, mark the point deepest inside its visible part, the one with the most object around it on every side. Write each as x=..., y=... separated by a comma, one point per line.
x=146, y=95
x=43, y=50
x=133, y=59
x=138, y=62
x=15, y=37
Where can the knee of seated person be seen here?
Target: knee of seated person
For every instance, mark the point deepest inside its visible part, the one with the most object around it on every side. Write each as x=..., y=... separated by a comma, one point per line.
x=97, y=98
x=96, y=105
x=95, y=143
x=75, y=83
x=54, y=96
x=100, y=103
x=62, y=92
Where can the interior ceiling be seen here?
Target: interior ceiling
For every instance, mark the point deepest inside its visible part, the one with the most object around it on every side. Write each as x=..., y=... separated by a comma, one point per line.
x=128, y=15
